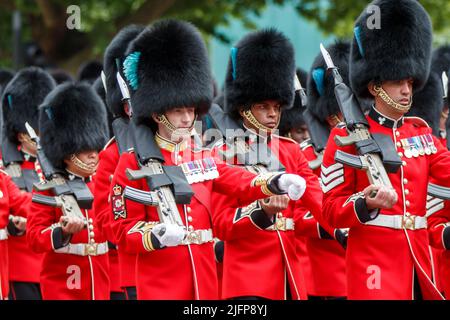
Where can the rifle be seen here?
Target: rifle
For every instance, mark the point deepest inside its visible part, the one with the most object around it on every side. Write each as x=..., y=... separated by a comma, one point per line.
x=318, y=133
x=377, y=154
x=168, y=183
x=257, y=156
x=70, y=196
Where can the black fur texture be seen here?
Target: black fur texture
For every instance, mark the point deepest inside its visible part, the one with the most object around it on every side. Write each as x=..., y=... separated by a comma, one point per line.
x=27, y=90
x=72, y=119
x=399, y=49
x=173, y=70
x=324, y=104
x=116, y=50
x=265, y=69
x=293, y=117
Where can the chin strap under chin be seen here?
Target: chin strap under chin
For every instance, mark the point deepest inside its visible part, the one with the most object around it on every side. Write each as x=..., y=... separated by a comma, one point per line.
x=386, y=98
x=174, y=130
x=83, y=166
x=247, y=114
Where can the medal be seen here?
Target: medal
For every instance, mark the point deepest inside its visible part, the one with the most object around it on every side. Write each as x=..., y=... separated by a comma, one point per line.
x=413, y=147
x=425, y=143
x=407, y=149
x=431, y=143
x=419, y=145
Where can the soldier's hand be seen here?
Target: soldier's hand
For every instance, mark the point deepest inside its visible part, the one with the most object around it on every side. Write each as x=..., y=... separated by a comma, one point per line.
x=20, y=223
x=293, y=184
x=274, y=204
x=385, y=197
x=71, y=225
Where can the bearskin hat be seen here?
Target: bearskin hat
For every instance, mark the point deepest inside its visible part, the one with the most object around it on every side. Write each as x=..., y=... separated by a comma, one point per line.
x=5, y=76
x=293, y=117
x=100, y=90
x=321, y=99
x=398, y=48
x=72, y=119
x=440, y=60
x=167, y=66
x=61, y=76
x=261, y=67
x=21, y=99
x=427, y=103
x=113, y=58
x=89, y=71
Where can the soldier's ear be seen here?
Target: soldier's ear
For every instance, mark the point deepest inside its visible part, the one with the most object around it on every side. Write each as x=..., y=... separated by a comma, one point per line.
x=155, y=118
x=371, y=88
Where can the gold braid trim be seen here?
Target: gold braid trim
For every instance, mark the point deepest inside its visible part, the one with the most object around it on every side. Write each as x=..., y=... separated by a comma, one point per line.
x=163, y=120
x=145, y=229
x=263, y=180
x=83, y=166
x=251, y=118
x=386, y=98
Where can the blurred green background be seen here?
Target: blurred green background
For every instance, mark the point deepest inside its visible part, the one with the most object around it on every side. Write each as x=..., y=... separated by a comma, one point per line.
x=41, y=37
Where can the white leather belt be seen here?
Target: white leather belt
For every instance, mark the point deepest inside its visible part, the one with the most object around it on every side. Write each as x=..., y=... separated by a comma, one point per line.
x=282, y=224
x=198, y=237
x=399, y=222
x=3, y=234
x=84, y=249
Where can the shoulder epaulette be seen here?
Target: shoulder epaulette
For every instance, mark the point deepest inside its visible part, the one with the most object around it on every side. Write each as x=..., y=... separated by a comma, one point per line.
x=285, y=138
x=306, y=144
x=109, y=142
x=417, y=121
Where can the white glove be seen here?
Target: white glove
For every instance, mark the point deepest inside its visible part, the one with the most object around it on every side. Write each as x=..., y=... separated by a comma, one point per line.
x=293, y=184
x=169, y=235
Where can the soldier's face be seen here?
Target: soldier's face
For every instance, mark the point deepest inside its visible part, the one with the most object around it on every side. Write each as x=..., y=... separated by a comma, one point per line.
x=400, y=90
x=299, y=134
x=181, y=118
x=267, y=113
x=89, y=164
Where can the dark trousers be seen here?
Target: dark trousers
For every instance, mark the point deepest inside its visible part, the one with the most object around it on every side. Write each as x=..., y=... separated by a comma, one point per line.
x=117, y=296
x=24, y=291
x=130, y=293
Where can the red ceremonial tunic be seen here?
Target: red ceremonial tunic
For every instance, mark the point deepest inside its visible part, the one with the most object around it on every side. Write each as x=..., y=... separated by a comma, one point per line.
x=67, y=276
x=12, y=202
x=382, y=262
x=326, y=256
x=184, y=271
x=122, y=264
x=259, y=261
x=24, y=264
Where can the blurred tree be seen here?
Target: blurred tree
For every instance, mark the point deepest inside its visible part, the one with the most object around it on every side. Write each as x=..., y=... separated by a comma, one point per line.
x=44, y=21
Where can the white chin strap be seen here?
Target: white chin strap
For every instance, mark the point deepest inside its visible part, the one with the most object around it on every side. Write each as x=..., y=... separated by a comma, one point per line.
x=388, y=100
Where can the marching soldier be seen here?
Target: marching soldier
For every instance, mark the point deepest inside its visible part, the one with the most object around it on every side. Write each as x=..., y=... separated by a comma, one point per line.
x=168, y=71
x=73, y=129
x=429, y=102
x=20, y=102
x=12, y=202
x=260, y=239
x=388, y=223
x=109, y=157
x=326, y=255
x=293, y=126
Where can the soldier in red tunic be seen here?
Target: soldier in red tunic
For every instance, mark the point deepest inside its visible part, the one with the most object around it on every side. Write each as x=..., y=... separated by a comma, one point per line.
x=260, y=239
x=429, y=104
x=387, y=249
x=168, y=71
x=109, y=157
x=20, y=101
x=14, y=202
x=73, y=129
